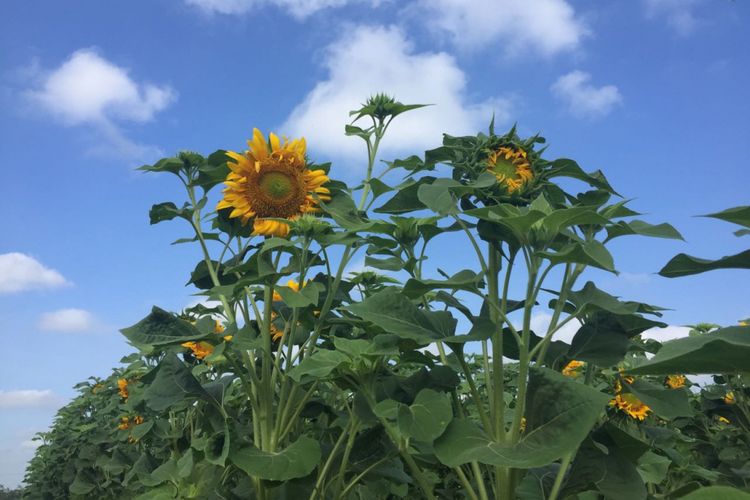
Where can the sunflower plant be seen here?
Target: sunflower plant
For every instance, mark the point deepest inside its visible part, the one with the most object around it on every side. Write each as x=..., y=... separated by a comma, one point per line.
x=297, y=377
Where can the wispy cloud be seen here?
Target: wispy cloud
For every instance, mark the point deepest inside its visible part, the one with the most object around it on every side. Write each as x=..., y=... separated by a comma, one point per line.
x=583, y=99
x=28, y=398
x=68, y=320
x=367, y=60
x=88, y=90
x=679, y=14
x=297, y=8
x=545, y=27
x=20, y=272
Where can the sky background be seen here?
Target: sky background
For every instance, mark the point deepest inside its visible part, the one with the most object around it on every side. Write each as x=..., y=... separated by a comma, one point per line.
x=653, y=92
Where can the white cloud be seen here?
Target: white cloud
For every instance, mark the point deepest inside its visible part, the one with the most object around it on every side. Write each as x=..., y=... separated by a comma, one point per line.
x=19, y=272
x=583, y=99
x=367, y=60
x=67, y=320
x=670, y=332
x=30, y=444
x=28, y=398
x=546, y=27
x=297, y=8
x=540, y=325
x=87, y=89
x=678, y=14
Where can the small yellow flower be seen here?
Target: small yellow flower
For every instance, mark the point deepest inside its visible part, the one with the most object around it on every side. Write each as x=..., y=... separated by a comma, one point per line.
x=572, y=369
x=724, y=420
x=138, y=420
x=200, y=349
x=124, y=423
x=276, y=333
x=522, y=427
x=511, y=167
x=675, y=381
x=219, y=327
x=631, y=405
x=729, y=398
x=122, y=388
x=271, y=180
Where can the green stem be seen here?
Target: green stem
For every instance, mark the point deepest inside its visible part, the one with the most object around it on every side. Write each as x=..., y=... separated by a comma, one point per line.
x=564, y=464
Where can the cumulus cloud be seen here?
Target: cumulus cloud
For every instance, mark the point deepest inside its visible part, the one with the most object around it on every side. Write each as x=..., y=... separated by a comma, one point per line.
x=297, y=8
x=679, y=14
x=368, y=60
x=28, y=398
x=540, y=325
x=20, y=272
x=67, y=320
x=670, y=332
x=546, y=27
x=87, y=89
x=583, y=99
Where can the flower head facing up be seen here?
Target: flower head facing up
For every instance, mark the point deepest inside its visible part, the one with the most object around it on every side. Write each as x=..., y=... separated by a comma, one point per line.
x=511, y=167
x=122, y=388
x=200, y=349
x=675, y=381
x=572, y=369
x=272, y=181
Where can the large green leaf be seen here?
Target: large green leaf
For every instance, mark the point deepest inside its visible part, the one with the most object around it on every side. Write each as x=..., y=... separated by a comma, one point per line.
x=319, y=365
x=171, y=382
x=396, y=314
x=406, y=199
x=462, y=280
x=736, y=215
x=724, y=351
x=427, y=417
x=560, y=413
x=161, y=328
x=590, y=253
x=717, y=493
x=590, y=298
x=685, y=265
x=642, y=228
x=667, y=403
x=296, y=460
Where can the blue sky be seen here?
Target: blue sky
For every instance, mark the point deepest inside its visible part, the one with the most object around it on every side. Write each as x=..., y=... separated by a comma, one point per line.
x=653, y=92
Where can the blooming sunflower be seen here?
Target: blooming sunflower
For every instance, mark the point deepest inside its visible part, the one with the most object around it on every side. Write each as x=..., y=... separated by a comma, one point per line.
x=272, y=181
x=511, y=167
x=122, y=388
x=200, y=349
x=675, y=381
x=729, y=398
x=572, y=369
x=631, y=405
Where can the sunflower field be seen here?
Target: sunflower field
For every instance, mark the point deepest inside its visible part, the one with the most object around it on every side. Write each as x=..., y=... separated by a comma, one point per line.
x=298, y=378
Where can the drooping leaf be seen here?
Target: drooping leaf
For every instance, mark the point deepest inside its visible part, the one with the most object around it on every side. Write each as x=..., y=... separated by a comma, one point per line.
x=427, y=417
x=171, y=382
x=642, y=228
x=736, y=215
x=724, y=351
x=161, y=328
x=296, y=460
x=462, y=280
x=686, y=265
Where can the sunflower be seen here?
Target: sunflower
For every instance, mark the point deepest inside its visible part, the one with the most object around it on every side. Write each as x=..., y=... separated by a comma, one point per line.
x=291, y=284
x=572, y=369
x=631, y=405
x=200, y=349
x=122, y=388
x=675, y=381
x=272, y=181
x=511, y=167
x=729, y=398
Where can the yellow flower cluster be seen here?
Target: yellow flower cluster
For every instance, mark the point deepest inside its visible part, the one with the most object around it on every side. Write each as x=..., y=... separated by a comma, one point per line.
x=122, y=388
x=200, y=349
x=127, y=423
x=628, y=403
x=675, y=381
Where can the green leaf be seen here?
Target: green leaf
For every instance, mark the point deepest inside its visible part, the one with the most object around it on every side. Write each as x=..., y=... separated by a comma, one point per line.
x=717, y=493
x=168, y=211
x=427, y=417
x=667, y=403
x=307, y=296
x=396, y=314
x=173, y=165
x=438, y=197
x=560, y=414
x=564, y=167
x=736, y=215
x=724, y=351
x=406, y=199
x=601, y=346
x=296, y=460
x=590, y=253
x=185, y=464
x=590, y=298
x=685, y=265
x=462, y=280
x=318, y=365
x=642, y=228
x=161, y=328
x=653, y=468
x=171, y=382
